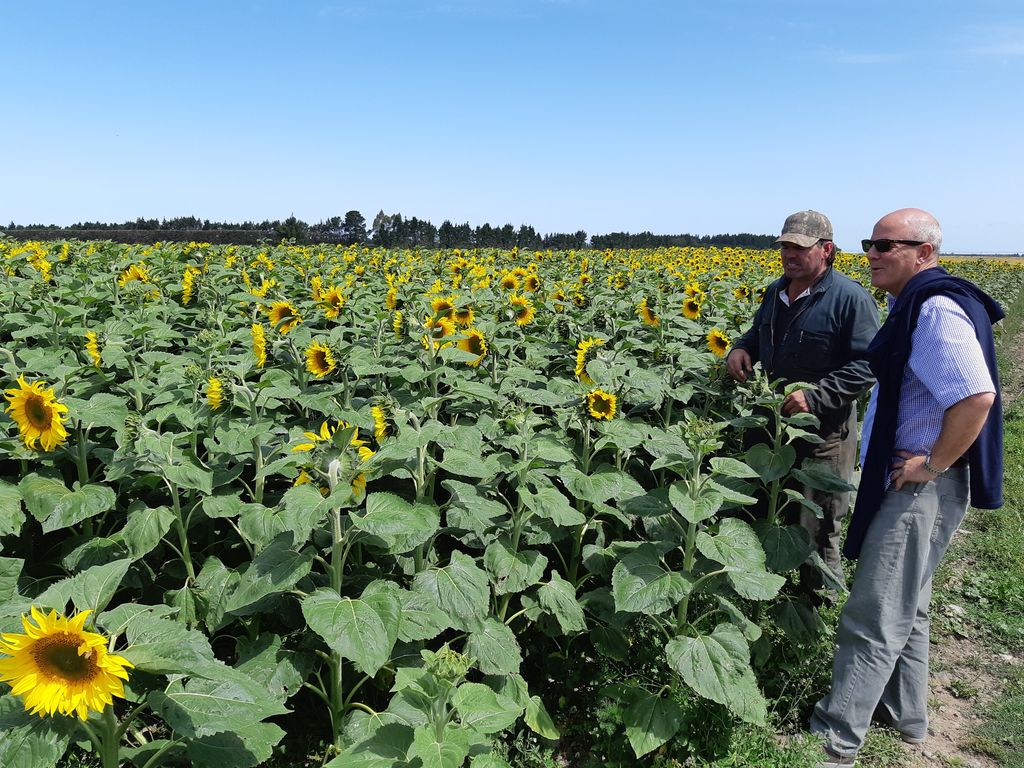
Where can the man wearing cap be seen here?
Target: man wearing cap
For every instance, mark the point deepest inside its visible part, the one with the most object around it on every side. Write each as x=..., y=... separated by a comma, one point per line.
x=814, y=325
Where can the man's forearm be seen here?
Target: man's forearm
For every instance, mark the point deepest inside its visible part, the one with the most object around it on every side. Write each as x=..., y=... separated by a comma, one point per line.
x=961, y=425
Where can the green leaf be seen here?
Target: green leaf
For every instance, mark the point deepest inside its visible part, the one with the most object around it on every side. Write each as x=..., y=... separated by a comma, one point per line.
x=730, y=495
x=483, y=710
x=785, y=547
x=244, y=747
x=558, y=597
x=549, y=503
x=56, y=507
x=750, y=630
x=31, y=741
x=91, y=589
x=488, y=761
x=652, y=504
x=387, y=748
x=539, y=720
x=495, y=648
x=477, y=390
x=755, y=585
x=264, y=660
x=771, y=465
x=722, y=465
x=642, y=584
x=735, y=545
x=276, y=569
x=421, y=618
x=512, y=572
x=470, y=509
x=11, y=514
x=401, y=525
x=101, y=410
x=820, y=476
x=166, y=647
x=650, y=722
x=603, y=485
x=717, y=666
x=189, y=476
x=465, y=464
x=363, y=630
x=145, y=528
x=206, y=707
x=214, y=587
x=10, y=572
x=460, y=589
x=447, y=752
x=800, y=622
x=694, y=510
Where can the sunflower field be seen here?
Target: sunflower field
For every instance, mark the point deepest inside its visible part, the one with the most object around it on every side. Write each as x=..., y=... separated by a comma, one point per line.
x=379, y=505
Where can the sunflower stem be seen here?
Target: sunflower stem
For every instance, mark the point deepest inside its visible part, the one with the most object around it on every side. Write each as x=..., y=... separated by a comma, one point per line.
x=179, y=524
x=110, y=744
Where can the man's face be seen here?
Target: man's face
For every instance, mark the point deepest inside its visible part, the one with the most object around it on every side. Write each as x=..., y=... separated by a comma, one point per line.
x=891, y=270
x=803, y=264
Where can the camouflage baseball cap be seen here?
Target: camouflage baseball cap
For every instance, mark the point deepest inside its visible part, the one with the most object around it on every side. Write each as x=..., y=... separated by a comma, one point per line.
x=805, y=229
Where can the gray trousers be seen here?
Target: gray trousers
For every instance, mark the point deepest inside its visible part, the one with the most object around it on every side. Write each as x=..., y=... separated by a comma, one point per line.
x=882, y=653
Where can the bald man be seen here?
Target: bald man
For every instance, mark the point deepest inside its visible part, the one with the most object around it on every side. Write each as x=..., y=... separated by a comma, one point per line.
x=932, y=439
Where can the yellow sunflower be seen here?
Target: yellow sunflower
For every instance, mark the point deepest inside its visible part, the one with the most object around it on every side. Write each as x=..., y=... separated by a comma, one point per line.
x=283, y=316
x=531, y=283
x=601, y=404
x=92, y=346
x=398, y=324
x=391, y=300
x=383, y=424
x=741, y=292
x=320, y=360
x=188, y=280
x=215, y=393
x=509, y=282
x=437, y=329
x=463, y=316
x=38, y=414
x=646, y=312
x=57, y=666
x=523, y=309
x=327, y=433
x=585, y=352
x=134, y=272
x=259, y=344
x=718, y=342
x=331, y=301
x=691, y=308
x=443, y=306
x=476, y=344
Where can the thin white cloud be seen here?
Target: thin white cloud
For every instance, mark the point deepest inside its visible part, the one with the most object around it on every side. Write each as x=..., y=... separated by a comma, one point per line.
x=868, y=57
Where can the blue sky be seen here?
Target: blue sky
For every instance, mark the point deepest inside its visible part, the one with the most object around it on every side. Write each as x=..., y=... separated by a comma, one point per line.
x=602, y=115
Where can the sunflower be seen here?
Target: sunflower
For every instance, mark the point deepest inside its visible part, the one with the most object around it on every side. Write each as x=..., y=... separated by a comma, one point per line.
x=92, y=346
x=215, y=393
x=283, y=316
x=331, y=301
x=646, y=312
x=718, y=342
x=320, y=360
x=383, y=424
x=581, y=300
x=398, y=324
x=259, y=344
x=691, y=308
x=316, y=287
x=391, y=300
x=509, y=282
x=585, y=352
x=531, y=283
x=601, y=404
x=37, y=412
x=523, y=309
x=463, y=316
x=57, y=666
x=134, y=272
x=188, y=280
x=558, y=297
x=741, y=292
x=437, y=328
x=327, y=433
x=476, y=344
x=443, y=306
x=693, y=290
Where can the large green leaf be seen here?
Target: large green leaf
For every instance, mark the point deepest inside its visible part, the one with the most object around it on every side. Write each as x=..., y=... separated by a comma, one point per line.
x=189, y=476
x=735, y=544
x=244, y=747
x=722, y=465
x=483, y=710
x=10, y=571
x=800, y=622
x=460, y=589
x=785, y=547
x=694, y=509
x=650, y=722
x=717, y=666
x=276, y=569
x=549, y=503
x=401, y=525
x=642, y=584
x=820, y=476
x=56, y=507
x=465, y=464
x=268, y=663
x=388, y=747
x=30, y=741
x=363, y=630
x=11, y=514
x=539, y=720
x=203, y=707
x=512, y=572
x=558, y=597
x=470, y=508
x=495, y=648
x=755, y=585
x=214, y=587
x=165, y=647
x=303, y=510
x=100, y=410
x=489, y=761
x=91, y=589
x=449, y=751
x=605, y=484
x=145, y=528
x=771, y=465
x=421, y=617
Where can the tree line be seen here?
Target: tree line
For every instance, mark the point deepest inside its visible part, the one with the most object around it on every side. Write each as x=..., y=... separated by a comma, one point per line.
x=390, y=231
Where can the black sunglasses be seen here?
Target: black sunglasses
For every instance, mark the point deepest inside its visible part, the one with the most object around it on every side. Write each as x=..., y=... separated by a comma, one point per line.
x=884, y=244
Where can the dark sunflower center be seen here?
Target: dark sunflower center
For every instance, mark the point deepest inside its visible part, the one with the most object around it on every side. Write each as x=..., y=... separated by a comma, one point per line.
x=602, y=405
x=320, y=357
x=38, y=413
x=58, y=656
x=476, y=345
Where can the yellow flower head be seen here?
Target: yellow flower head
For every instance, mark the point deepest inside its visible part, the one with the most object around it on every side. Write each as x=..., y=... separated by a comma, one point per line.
x=215, y=393
x=585, y=352
x=646, y=312
x=443, y=306
x=92, y=346
x=188, y=280
x=38, y=414
x=718, y=342
x=57, y=666
x=741, y=292
x=283, y=316
x=691, y=308
x=320, y=360
x=476, y=344
x=383, y=424
x=531, y=283
x=601, y=404
x=259, y=344
x=509, y=282
x=463, y=316
x=134, y=272
x=391, y=300
x=398, y=324
x=523, y=309
x=332, y=300
x=437, y=329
